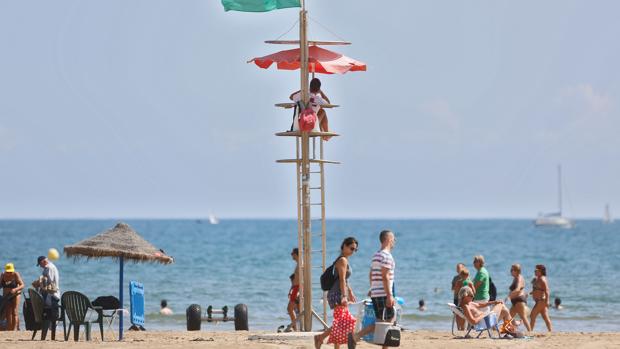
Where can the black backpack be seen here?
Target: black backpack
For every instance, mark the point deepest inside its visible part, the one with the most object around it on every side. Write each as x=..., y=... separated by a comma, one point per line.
x=492, y=290
x=31, y=325
x=328, y=278
x=107, y=303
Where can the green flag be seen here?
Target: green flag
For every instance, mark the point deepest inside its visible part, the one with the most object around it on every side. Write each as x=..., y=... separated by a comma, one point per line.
x=258, y=5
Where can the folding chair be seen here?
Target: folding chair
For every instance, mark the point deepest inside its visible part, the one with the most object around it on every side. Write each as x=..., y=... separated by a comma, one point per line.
x=487, y=324
x=111, y=310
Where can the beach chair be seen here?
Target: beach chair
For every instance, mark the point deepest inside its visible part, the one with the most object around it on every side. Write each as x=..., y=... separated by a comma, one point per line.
x=111, y=308
x=76, y=306
x=487, y=324
x=45, y=316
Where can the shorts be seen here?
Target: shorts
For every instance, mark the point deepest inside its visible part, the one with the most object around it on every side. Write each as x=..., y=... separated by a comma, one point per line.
x=293, y=294
x=378, y=303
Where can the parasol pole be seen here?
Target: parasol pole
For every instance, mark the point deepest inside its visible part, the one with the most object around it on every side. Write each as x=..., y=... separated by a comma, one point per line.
x=120, y=297
x=305, y=179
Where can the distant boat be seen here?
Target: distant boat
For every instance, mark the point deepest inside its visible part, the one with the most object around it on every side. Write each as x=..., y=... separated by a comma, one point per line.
x=607, y=219
x=555, y=219
x=213, y=219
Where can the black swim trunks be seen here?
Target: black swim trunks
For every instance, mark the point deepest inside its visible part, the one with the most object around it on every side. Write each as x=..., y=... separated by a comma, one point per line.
x=382, y=312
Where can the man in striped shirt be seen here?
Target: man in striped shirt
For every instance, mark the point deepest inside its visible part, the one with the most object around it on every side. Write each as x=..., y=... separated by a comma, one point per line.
x=381, y=285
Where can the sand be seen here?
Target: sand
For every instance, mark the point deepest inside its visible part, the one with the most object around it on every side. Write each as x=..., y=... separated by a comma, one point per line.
x=250, y=340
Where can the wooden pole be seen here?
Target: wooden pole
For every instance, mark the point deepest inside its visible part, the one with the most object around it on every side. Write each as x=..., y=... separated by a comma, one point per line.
x=323, y=228
x=305, y=180
x=300, y=236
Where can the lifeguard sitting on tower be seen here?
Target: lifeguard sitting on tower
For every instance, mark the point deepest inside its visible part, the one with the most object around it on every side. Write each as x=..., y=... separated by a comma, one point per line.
x=317, y=98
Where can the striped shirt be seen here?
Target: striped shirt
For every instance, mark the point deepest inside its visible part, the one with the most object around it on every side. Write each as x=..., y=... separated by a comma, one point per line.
x=381, y=259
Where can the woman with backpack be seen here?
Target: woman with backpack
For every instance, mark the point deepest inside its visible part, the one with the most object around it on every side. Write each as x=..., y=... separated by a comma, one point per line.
x=339, y=296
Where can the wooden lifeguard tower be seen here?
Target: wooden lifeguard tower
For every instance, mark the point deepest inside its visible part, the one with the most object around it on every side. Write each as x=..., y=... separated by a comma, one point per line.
x=310, y=166
x=310, y=185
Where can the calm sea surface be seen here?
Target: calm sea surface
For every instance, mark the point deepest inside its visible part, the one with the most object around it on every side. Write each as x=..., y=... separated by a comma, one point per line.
x=248, y=261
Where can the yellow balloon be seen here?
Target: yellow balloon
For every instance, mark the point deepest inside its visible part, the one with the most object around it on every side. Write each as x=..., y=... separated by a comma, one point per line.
x=53, y=254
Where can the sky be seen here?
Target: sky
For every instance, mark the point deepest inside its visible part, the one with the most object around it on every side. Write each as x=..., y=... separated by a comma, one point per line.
x=148, y=109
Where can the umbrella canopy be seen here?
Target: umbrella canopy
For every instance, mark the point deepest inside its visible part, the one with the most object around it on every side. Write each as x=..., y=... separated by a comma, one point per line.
x=320, y=60
x=120, y=241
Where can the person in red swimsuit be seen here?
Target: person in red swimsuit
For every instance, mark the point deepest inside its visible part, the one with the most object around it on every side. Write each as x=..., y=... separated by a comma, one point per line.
x=293, y=293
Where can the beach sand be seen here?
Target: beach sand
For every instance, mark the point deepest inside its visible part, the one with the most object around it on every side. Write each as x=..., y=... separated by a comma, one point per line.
x=248, y=340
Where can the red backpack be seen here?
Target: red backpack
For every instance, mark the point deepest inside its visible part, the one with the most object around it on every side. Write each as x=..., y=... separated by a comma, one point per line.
x=307, y=119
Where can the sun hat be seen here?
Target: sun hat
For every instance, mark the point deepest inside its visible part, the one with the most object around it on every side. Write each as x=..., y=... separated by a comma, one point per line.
x=40, y=259
x=9, y=268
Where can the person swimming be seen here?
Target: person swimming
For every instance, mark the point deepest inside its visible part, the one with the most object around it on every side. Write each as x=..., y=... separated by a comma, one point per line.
x=557, y=303
x=164, y=308
x=421, y=305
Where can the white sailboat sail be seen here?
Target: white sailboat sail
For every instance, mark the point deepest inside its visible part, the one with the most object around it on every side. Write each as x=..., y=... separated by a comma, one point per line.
x=213, y=219
x=607, y=219
x=555, y=219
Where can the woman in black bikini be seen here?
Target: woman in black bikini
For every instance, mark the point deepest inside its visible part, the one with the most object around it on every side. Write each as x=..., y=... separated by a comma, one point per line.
x=517, y=295
x=12, y=285
x=540, y=293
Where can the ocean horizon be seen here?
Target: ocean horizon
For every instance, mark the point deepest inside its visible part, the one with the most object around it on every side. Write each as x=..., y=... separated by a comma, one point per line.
x=248, y=261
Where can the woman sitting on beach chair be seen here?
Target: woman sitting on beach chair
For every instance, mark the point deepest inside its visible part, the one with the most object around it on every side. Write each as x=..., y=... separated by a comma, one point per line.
x=474, y=312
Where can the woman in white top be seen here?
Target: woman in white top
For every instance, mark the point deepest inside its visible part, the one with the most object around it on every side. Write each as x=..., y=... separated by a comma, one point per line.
x=317, y=98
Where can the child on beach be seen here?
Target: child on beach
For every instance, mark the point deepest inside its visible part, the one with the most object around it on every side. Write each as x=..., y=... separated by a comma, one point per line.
x=457, y=282
x=293, y=293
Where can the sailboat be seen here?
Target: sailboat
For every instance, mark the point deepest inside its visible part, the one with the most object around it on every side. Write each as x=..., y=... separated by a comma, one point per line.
x=213, y=219
x=555, y=219
x=607, y=219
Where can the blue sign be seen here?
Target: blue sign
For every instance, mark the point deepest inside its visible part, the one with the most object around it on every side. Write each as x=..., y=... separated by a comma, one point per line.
x=136, y=303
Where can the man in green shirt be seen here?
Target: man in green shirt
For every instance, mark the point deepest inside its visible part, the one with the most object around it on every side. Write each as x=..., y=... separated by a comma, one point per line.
x=481, y=281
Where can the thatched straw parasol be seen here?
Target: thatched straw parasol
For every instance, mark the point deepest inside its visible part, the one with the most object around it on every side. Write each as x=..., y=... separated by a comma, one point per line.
x=120, y=242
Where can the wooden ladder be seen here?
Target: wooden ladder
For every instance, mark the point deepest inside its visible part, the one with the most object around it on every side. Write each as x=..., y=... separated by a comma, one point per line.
x=318, y=237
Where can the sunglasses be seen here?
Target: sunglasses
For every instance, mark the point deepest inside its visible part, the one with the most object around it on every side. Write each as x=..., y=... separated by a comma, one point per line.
x=354, y=249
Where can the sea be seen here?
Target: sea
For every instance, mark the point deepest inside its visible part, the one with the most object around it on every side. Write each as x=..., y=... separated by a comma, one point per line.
x=248, y=262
